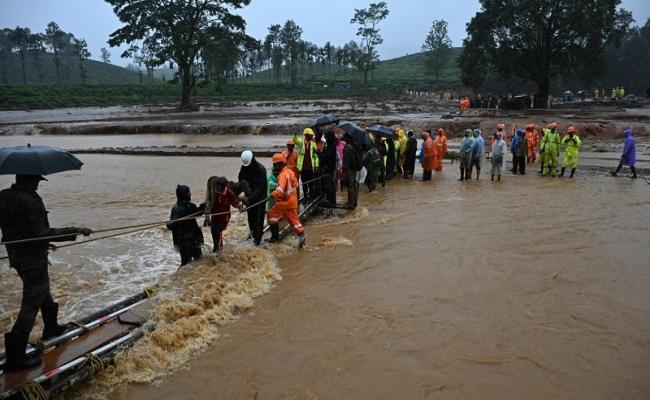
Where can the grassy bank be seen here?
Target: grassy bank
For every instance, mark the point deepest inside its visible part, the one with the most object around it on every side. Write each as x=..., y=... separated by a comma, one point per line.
x=20, y=97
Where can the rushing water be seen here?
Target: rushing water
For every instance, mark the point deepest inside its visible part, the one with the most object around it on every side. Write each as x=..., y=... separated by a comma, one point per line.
x=528, y=288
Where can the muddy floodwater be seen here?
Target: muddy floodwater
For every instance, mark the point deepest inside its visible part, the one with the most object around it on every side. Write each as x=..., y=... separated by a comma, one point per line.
x=528, y=288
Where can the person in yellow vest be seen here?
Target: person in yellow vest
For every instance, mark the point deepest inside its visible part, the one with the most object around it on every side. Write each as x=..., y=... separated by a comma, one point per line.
x=307, y=162
x=572, y=145
x=621, y=92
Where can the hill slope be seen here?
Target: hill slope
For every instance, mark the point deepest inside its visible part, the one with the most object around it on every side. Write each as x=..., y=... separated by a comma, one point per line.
x=407, y=70
x=97, y=72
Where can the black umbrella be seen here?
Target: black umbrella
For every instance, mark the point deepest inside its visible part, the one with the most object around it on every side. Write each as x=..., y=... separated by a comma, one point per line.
x=327, y=119
x=383, y=131
x=36, y=160
x=356, y=132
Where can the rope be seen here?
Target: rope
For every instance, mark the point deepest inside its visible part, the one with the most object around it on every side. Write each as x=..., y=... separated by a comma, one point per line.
x=80, y=325
x=148, y=291
x=32, y=391
x=96, y=363
x=140, y=227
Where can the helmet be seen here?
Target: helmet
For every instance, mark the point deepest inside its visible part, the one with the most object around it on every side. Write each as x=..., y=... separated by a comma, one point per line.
x=571, y=129
x=308, y=131
x=278, y=158
x=501, y=127
x=246, y=158
x=553, y=125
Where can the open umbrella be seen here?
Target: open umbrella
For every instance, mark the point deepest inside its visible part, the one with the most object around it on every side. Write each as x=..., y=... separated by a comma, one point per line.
x=383, y=131
x=356, y=132
x=36, y=160
x=327, y=119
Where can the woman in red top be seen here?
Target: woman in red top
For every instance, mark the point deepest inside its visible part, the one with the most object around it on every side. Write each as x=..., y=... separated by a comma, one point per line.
x=219, y=200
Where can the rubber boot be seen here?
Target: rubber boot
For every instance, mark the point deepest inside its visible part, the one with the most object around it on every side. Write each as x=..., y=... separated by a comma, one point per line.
x=51, y=326
x=499, y=179
x=618, y=169
x=462, y=175
x=541, y=171
x=478, y=173
x=15, y=345
x=633, y=169
x=562, y=172
x=301, y=240
x=573, y=172
x=492, y=178
x=275, y=233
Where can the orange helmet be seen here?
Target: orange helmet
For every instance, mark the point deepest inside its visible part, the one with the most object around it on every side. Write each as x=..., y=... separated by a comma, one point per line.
x=571, y=129
x=530, y=127
x=553, y=125
x=501, y=127
x=278, y=158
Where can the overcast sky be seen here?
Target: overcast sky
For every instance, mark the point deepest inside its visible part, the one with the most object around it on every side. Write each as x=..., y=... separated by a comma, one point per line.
x=403, y=31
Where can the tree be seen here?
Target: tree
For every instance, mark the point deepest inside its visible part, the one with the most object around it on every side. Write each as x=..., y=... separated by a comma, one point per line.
x=627, y=65
x=36, y=49
x=438, y=47
x=106, y=55
x=291, y=45
x=274, y=46
x=368, y=19
x=5, y=50
x=177, y=29
x=80, y=49
x=20, y=42
x=541, y=40
x=55, y=38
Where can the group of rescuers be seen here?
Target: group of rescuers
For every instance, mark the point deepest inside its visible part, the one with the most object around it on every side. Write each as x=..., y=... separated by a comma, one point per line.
x=319, y=165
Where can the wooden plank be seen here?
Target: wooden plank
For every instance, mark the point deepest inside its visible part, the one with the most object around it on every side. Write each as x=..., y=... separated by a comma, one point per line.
x=65, y=353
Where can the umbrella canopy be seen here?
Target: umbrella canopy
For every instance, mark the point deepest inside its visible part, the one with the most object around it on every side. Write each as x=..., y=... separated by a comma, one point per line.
x=383, y=131
x=327, y=119
x=356, y=132
x=36, y=160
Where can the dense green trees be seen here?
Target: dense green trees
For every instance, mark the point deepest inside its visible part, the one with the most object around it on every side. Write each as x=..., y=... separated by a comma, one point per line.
x=438, y=47
x=541, y=40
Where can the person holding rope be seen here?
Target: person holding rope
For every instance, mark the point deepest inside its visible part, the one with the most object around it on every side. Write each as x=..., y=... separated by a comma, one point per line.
x=186, y=234
x=254, y=173
x=23, y=216
x=285, y=201
x=219, y=199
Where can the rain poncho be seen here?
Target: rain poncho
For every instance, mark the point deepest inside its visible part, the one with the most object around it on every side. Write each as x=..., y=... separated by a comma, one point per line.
x=428, y=153
x=479, y=145
x=551, y=149
x=403, y=141
x=629, y=150
x=521, y=145
x=532, y=139
x=440, y=149
x=571, y=151
x=465, y=153
x=499, y=150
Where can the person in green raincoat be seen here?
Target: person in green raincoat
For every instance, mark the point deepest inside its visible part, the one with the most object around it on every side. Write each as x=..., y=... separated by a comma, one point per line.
x=572, y=145
x=551, y=150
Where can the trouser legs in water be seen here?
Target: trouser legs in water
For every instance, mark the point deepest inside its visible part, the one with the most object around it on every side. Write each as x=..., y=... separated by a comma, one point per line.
x=216, y=229
x=275, y=232
x=562, y=171
x=353, y=192
x=256, y=222
x=573, y=172
x=633, y=172
x=189, y=253
x=462, y=174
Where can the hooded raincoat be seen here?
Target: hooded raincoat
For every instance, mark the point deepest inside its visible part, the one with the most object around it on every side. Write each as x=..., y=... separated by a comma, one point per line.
x=499, y=150
x=465, y=153
x=572, y=148
x=428, y=153
x=440, y=149
x=629, y=150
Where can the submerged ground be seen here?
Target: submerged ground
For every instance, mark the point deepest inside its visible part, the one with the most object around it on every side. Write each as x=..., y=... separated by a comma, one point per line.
x=528, y=288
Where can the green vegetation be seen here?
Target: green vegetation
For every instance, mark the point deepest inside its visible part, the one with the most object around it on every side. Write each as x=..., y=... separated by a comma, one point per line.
x=97, y=72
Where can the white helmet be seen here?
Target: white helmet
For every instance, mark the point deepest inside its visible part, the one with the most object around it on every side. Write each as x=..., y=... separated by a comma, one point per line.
x=246, y=158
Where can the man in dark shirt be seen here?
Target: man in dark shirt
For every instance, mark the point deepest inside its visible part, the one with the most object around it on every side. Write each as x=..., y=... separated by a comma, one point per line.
x=23, y=216
x=254, y=173
x=186, y=234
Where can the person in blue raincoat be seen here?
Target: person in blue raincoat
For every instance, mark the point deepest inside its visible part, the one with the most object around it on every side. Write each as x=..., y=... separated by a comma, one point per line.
x=629, y=155
x=477, y=154
x=465, y=153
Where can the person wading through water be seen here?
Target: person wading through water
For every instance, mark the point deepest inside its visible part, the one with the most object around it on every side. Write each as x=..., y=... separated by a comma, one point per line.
x=254, y=174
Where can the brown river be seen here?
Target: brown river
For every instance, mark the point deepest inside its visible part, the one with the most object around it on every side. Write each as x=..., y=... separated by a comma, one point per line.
x=529, y=288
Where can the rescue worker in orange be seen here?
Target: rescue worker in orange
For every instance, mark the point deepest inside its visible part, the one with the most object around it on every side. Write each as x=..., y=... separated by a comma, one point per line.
x=427, y=156
x=532, y=137
x=286, y=205
x=439, y=150
x=291, y=161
